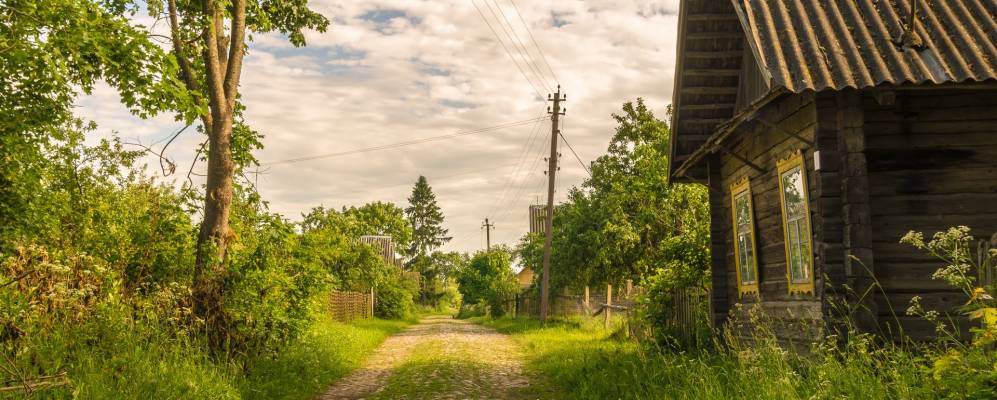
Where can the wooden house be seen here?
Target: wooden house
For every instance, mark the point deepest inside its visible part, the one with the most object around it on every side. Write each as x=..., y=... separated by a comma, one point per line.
x=825, y=131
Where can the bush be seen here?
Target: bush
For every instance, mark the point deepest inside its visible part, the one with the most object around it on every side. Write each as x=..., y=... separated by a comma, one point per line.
x=395, y=298
x=488, y=279
x=964, y=370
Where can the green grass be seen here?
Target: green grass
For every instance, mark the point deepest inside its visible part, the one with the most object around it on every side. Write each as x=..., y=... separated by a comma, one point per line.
x=136, y=362
x=327, y=352
x=432, y=371
x=580, y=360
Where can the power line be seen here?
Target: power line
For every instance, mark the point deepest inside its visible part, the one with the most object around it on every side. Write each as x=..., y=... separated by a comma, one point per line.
x=410, y=142
x=436, y=179
x=514, y=61
x=524, y=182
x=517, y=43
x=580, y=162
x=521, y=160
x=539, y=49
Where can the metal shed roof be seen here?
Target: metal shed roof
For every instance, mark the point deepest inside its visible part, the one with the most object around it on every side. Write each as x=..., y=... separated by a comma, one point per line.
x=818, y=45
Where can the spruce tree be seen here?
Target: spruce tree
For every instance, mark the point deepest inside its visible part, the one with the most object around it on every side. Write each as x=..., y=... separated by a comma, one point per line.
x=426, y=219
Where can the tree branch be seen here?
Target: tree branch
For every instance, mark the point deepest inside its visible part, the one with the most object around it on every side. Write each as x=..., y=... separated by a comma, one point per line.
x=237, y=45
x=212, y=68
x=185, y=69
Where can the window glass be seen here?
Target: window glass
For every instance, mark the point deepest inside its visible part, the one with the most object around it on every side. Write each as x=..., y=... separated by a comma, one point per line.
x=743, y=222
x=745, y=243
x=794, y=200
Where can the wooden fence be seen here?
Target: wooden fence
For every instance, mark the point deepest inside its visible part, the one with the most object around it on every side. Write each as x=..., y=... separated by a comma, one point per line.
x=686, y=311
x=585, y=302
x=346, y=306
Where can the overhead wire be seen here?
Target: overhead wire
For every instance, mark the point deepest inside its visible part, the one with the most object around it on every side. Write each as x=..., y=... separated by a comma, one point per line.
x=524, y=182
x=517, y=43
x=560, y=132
x=410, y=142
x=534, y=40
x=521, y=160
x=499, y=39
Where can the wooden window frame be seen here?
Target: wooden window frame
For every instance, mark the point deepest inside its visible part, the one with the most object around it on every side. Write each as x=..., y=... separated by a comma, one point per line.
x=796, y=160
x=743, y=186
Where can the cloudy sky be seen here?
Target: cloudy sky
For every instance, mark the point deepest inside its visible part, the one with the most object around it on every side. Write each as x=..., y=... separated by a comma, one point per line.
x=393, y=71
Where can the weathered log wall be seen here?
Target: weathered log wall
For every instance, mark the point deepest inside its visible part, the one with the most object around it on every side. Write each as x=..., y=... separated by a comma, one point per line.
x=932, y=160
x=797, y=315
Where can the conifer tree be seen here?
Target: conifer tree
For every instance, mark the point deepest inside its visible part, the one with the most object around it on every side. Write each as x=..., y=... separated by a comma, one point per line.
x=426, y=219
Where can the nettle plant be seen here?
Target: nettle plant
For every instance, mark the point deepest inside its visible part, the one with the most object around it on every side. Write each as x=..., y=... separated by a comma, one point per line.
x=971, y=266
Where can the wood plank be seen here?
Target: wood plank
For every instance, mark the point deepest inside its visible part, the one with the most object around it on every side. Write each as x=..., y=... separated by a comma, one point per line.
x=714, y=35
x=706, y=107
x=712, y=72
x=713, y=54
x=694, y=90
x=711, y=17
x=897, y=303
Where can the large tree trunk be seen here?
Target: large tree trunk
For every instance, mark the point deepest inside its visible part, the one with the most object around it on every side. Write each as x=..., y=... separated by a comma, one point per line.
x=213, y=238
x=222, y=72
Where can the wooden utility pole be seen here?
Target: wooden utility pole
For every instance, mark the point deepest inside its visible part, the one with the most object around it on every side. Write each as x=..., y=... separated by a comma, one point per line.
x=488, y=233
x=549, y=223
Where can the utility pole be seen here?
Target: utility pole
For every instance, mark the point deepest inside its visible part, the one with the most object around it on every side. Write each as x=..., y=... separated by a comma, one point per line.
x=488, y=233
x=549, y=223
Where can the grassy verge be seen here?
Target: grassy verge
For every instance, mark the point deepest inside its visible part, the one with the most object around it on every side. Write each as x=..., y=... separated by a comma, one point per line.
x=308, y=366
x=136, y=362
x=580, y=360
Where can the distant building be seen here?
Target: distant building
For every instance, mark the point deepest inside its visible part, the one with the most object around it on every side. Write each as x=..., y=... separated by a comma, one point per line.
x=538, y=215
x=384, y=245
x=525, y=277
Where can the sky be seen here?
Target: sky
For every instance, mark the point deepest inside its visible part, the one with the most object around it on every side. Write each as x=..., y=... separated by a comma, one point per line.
x=395, y=71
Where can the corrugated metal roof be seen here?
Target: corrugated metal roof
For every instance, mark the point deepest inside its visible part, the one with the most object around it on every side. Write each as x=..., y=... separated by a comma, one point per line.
x=821, y=44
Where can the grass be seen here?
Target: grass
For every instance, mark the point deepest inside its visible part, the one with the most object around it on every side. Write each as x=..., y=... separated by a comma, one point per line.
x=581, y=360
x=308, y=366
x=432, y=370
x=132, y=362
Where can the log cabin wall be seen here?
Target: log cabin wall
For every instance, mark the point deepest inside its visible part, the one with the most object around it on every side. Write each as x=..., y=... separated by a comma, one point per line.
x=796, y=317
x=932, y=164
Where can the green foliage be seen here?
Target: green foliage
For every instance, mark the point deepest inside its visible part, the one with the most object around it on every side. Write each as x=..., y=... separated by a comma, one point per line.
x=305, y=368
x=426, y=219
x=964, y=370
x=381, y=219
x=627, y=221
x=395, y=295
x=581, y=360
x=488, y=280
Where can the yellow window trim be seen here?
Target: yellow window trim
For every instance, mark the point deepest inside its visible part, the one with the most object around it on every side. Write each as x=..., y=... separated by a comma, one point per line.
x=737, y=188
x=796, y=160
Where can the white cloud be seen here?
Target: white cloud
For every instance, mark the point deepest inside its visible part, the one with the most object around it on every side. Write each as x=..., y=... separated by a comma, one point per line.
x=396, y=70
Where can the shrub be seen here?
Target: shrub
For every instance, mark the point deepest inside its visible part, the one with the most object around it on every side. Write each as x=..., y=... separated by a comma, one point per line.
x=395, y=297
x=488, y=280
x=964, y=370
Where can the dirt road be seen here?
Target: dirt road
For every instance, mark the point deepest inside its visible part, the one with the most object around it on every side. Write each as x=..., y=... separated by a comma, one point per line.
x=439, y=358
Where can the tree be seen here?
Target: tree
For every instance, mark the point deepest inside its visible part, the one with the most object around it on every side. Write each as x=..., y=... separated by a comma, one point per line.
x=210, y=65
x=426, y=219
x=382, y=219
x=627, y=221
x=488, y=279
x=49, y=52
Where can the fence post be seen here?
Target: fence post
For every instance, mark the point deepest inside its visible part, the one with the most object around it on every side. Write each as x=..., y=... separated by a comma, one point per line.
x=630, y=288
x=609, y=302
x=586, y=301
x=371, y=302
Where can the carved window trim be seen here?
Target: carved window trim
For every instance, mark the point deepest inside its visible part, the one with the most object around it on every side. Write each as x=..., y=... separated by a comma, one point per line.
x=800, y=225
x=738, y=190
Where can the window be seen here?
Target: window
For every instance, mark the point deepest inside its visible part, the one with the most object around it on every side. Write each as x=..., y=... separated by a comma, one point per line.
x=796, y=224
x=743, y=218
